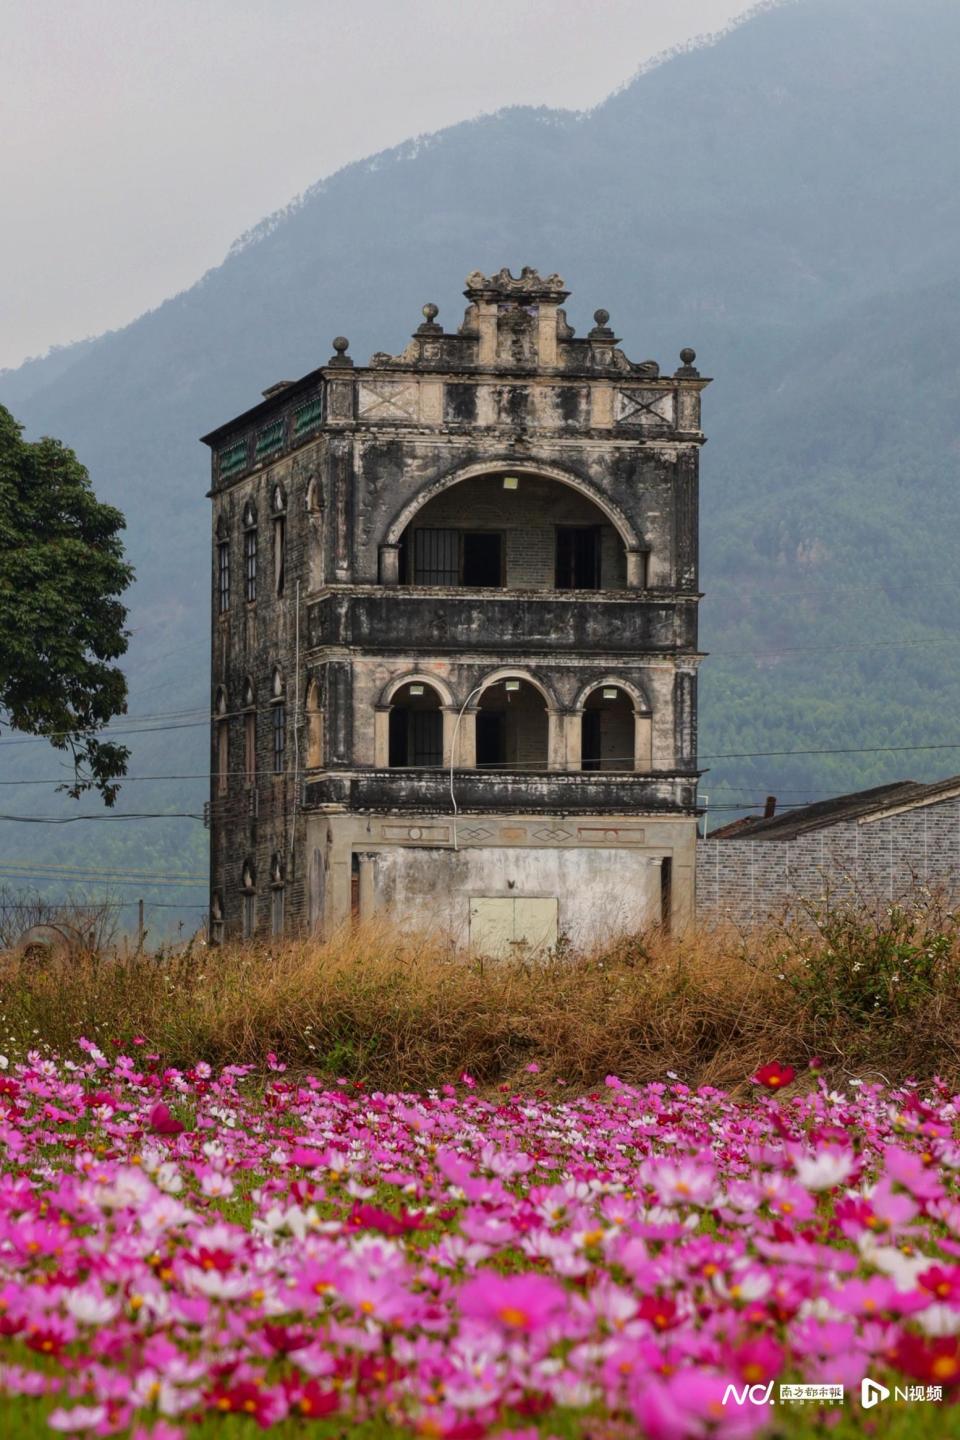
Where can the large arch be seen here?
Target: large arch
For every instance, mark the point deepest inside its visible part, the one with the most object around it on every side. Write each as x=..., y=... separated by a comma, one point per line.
x=640, y=702
x=416, y=677
x=640, y=743
x=633, y=541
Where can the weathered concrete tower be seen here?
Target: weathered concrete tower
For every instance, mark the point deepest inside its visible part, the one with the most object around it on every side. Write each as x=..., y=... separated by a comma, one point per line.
x=455, y=635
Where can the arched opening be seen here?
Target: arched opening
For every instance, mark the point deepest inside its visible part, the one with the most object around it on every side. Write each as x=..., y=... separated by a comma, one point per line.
x=222, y=741
x=278, y=705
x=607, y=736
x=416, y=726
x=248, y=899
x=277, y=883
x=249, y=733
x=512, y=531
x=512, y=727
x=314, y=727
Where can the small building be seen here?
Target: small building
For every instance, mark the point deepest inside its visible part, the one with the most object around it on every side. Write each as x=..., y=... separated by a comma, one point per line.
x=877, y=844
x=455, y=635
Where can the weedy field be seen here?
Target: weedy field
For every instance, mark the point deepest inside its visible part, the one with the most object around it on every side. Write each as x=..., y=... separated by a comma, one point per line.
x=365, y=1190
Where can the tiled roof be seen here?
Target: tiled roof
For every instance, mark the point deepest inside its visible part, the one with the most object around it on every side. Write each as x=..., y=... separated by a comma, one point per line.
x=862, y=804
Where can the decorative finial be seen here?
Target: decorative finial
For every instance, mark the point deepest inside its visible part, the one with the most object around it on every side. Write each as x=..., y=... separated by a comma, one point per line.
x=601, y=330
x=340, y=345
x=430, y=312
x=429, y=325
x=601, y=317
x=687, y=357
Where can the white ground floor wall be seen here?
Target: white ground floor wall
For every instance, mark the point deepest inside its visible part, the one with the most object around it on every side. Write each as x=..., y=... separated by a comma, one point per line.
x=501, y=880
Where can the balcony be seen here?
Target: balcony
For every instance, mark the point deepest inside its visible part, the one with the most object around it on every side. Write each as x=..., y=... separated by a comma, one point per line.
x=440, y=620
x=511, y=792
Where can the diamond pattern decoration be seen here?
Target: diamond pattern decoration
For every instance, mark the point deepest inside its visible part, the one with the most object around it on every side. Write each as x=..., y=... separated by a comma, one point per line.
x=646, y=407
x=388, y=399
x=552, y=832
x=475, y=832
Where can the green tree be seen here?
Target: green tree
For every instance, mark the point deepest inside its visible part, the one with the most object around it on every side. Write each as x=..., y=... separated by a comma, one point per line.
x=61, y=620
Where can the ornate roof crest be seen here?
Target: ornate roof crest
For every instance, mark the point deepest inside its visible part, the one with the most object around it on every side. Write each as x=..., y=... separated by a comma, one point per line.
x=529, y=285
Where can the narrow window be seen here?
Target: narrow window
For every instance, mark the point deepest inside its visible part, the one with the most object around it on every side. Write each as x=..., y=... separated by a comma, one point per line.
x=578, y=557
x=216, y=919
x=279, y=736
x=222, y=742
x=249, y=915
x=276, y=910
x=223, y=577
x=279, y=551
x=250, y=565
x=250, y=747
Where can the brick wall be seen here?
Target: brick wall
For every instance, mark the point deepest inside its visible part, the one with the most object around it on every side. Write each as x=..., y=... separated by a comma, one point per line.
x=748, y=880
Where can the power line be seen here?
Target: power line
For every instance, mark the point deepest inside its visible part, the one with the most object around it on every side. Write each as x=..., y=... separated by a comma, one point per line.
x=129, y=815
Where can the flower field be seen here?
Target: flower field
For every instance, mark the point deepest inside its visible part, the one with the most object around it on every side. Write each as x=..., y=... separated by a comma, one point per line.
x=200, y=1252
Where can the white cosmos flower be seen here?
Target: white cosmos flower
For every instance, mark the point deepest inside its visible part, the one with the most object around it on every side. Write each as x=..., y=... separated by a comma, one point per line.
x=92, y=1307
x=825, y=1169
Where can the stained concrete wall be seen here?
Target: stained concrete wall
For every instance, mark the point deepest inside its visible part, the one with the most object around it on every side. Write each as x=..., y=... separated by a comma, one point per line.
x=601, y=893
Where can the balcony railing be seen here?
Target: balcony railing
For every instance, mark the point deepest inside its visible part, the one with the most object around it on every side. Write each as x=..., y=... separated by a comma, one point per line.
x=544, y=791
x=409, y=619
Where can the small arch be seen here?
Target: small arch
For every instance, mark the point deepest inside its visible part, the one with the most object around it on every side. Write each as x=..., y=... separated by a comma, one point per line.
x=249, y=515
x=640, y=701
x=248, y=875
x=249, y=693
x=223, y=529
x=511, y=673
x=220, y=702
x=276, y=684
x=417, y=678
x=314, y=727
x=628, y=534
x=278, y=499
x=314, y=496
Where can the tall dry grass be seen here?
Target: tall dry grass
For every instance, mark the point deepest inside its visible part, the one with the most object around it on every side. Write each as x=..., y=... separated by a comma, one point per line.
x=870, y=995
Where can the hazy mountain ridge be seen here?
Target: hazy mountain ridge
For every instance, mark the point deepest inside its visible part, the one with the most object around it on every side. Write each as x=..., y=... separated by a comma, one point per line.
x=785, y=200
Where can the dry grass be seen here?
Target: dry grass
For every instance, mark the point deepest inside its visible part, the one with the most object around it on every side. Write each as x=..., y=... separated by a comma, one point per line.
x=872, y=996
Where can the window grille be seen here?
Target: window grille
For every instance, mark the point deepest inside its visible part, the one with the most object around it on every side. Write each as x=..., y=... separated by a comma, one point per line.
x=250, y=565
x=223, y=577
x=436, y=557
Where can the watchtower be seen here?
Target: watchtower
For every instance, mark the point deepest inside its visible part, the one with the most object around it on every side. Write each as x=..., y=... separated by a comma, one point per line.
x=455, y=634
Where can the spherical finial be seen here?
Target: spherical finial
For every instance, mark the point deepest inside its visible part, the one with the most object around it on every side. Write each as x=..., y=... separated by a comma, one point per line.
x=340, y=344
x=601, y=317
x=430, y=312
x=688, y=356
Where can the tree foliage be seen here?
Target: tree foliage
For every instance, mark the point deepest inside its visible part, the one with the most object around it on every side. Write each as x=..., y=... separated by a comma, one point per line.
x=62, y=572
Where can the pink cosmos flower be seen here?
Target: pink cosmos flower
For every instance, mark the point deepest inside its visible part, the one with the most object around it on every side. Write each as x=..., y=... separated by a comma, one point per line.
x=518, y=1303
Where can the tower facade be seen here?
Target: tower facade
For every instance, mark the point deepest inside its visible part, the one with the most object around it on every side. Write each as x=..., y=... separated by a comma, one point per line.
x=455, y=635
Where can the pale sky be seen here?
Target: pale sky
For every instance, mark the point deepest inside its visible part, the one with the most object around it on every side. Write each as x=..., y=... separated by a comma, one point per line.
x=141, y=137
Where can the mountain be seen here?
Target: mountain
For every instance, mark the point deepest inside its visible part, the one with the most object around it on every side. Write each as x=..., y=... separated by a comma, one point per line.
x=786, y=200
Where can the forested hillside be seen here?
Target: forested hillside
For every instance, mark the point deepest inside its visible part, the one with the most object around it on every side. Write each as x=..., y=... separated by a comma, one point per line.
x=787, y=201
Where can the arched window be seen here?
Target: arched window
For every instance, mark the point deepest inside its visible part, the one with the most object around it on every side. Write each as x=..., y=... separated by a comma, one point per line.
x=416, y=726
x=248, y=895
x=216, y=918
x=277, y=882
x=249, y=553
x=279, y=506
x=223, y=567
x=615, y=730
x=279, y=706
x=314, y=727
x=512, y=726
x=249, y=733
x=222, y=737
